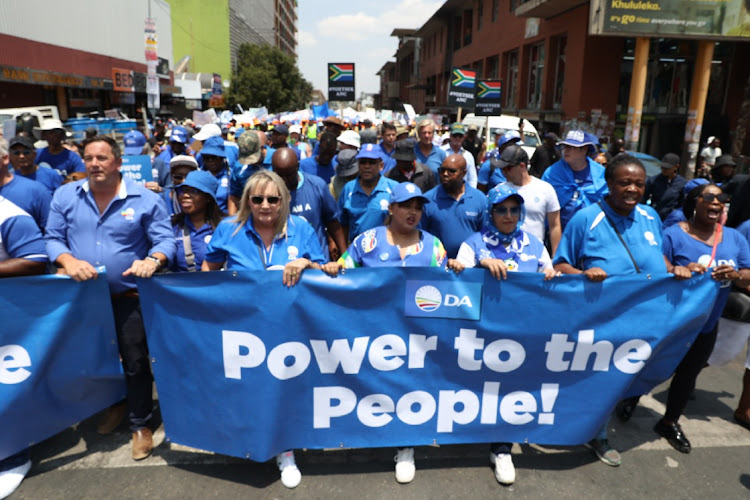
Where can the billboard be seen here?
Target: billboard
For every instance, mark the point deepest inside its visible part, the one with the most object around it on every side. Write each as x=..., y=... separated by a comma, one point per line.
x=713, y=19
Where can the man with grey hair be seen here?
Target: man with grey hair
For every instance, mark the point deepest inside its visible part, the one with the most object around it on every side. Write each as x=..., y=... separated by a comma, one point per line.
x=427, y=153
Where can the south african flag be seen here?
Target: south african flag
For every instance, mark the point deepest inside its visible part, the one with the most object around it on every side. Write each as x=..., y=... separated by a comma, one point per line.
x=341, y=72
x=489, y=90
x=464, y=78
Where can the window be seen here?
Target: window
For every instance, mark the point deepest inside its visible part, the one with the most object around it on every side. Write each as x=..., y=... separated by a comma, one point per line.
x=457, y=26
x=495, y=9
x=480, y=13
x=479, y=67
x=511, y=78
x=468, y=24
x=562, y=43
x=536, y=74
x=493, y=64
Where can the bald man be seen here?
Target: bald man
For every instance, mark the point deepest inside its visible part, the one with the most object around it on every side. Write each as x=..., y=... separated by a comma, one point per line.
x=457, y=210
x=311, y=200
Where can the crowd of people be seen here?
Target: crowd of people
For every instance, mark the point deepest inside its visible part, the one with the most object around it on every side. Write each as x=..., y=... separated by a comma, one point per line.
x=328, y=197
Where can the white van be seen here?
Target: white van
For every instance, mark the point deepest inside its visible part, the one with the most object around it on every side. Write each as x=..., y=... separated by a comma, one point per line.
x=30, y=117
x=531, y=137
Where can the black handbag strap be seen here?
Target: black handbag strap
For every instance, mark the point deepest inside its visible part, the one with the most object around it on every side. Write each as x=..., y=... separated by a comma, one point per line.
x=622, y=240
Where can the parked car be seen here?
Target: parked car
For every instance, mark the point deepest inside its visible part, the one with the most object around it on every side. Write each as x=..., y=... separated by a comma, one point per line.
x=504, y=123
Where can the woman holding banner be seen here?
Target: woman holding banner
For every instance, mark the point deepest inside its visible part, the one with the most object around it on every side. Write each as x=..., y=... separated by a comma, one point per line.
x=396, y=244
x=264, y=235
x=615, y=236
x=701, y=243
x=502, y=247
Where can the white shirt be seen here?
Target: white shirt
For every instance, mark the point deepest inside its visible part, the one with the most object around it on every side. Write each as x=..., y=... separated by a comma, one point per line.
x=539, y=198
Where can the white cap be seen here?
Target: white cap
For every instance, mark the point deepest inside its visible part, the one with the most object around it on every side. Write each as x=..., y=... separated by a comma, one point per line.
x=350, y=138
x=207, y=131
x=295, y=129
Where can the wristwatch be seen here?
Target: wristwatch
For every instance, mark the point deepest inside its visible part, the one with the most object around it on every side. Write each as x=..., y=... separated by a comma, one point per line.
x=154, y=259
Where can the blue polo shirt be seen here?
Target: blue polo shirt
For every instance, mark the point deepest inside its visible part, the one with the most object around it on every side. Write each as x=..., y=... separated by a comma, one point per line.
x=20, y=238
x=483, y=177
x=361, y=212
x=244, y=250
x=199, y=239
x=590, y=241
x=681, y=249
x=434, y=160
x=222, y=191
x=372, y=249
x=65, y=162
x=451, y=220
x=312, y=166
x=31, y=196
x=388, y=161
x=134, y=225
x=47, y=177
x=312, y=200
x=239, y=174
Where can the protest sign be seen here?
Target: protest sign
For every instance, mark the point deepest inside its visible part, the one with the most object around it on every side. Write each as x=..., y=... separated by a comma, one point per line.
x=137, y=168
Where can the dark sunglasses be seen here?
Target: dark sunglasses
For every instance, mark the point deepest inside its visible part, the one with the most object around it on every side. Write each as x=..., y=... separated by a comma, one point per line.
x=710, y=197
x=258, y=200
x=178, y=177
x=190, y=191
x=212, y=157
x=501, y=210
x=19, y=152
x=448, y=170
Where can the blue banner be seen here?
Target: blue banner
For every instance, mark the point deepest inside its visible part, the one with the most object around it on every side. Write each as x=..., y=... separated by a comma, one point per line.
x=407, y=356
x=137, y=168
x=59, y=362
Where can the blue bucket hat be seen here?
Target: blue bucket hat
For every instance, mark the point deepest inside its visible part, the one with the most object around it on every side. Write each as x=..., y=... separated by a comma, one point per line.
x=134, y=142
x=214, y=146
x=406, y=191
x=499, y=194
x=179, y=134
x=202, y=181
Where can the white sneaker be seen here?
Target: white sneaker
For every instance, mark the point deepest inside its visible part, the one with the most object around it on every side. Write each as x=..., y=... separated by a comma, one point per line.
x=11, y=479
x=505, y=473
x=405, y=468
x=290, y=474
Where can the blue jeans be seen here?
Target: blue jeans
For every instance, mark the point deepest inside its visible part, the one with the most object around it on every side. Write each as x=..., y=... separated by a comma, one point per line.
x=602, y=433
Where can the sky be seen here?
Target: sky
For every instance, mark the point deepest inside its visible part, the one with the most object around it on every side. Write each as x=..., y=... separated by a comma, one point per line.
x=358, y=31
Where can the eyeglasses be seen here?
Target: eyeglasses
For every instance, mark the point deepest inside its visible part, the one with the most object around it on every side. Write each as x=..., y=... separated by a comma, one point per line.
x=19, y=152
x=710, y=197
x=447, y=170
x=501, y=210
x=190, y=191
x=178, y=177
x=258, y=200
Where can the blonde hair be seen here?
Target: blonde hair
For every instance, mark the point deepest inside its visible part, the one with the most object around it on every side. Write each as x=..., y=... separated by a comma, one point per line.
x=427, y=122
x=258, y=182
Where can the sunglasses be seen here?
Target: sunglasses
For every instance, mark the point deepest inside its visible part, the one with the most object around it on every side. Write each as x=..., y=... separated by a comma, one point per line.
x=501, y=210
x=190, y=191
x=258, y=200
x=19, y=152
x=448, y=170
x=710, y=197
x=178, y=177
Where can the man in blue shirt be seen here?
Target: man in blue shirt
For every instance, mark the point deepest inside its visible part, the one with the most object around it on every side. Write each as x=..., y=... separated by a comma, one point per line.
x=55, y=155
x=249, y=162
x=30, y=195
x=364, y=201
x=490, y=172
x=215, y=161
x=388, y=145
x=664, y=190
x=578, y=180
x=22, y=156
x=178, y=139
x=427, y=152
x=311, y=200
x=323, y=163
x=22, y=253
x=456, y=210
x=107, y=220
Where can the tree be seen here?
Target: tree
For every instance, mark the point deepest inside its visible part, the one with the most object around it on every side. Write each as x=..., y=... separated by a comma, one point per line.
x=266, y=76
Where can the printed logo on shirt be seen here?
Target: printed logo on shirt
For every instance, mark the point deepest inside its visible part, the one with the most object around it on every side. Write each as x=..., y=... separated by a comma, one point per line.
x=471, y=214
x=292, y=252
x=511, y=264
x=129, y=213
x=383, y=204
x=443, y=299
x=369, y=241
x=384, y=256
x=224, y=182
x=650, y=238
x=207, y=239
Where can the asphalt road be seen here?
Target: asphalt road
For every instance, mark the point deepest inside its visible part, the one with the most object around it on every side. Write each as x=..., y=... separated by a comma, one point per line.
x=78, y=463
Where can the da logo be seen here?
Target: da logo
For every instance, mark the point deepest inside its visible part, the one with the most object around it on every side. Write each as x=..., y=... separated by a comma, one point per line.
x=428, y=298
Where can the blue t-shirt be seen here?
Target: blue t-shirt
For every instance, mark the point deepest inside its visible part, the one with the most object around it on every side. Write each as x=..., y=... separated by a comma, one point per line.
x=312, y=166
x=31, y=196
x=244, y=250
x=434, y=160
x=525, y=254
x=744, y=230
x=222, y=191
x=48, y=177
x=312, y=200
x=484, y=177
x=576, y=190
x=590, y=241
x=372, y=249
x=65, y=162
x=453, y=221
x=677, y=215
x=681, y=249
x=239, y=174
x=20, y=238
x=360, y=212
x=199, y=239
